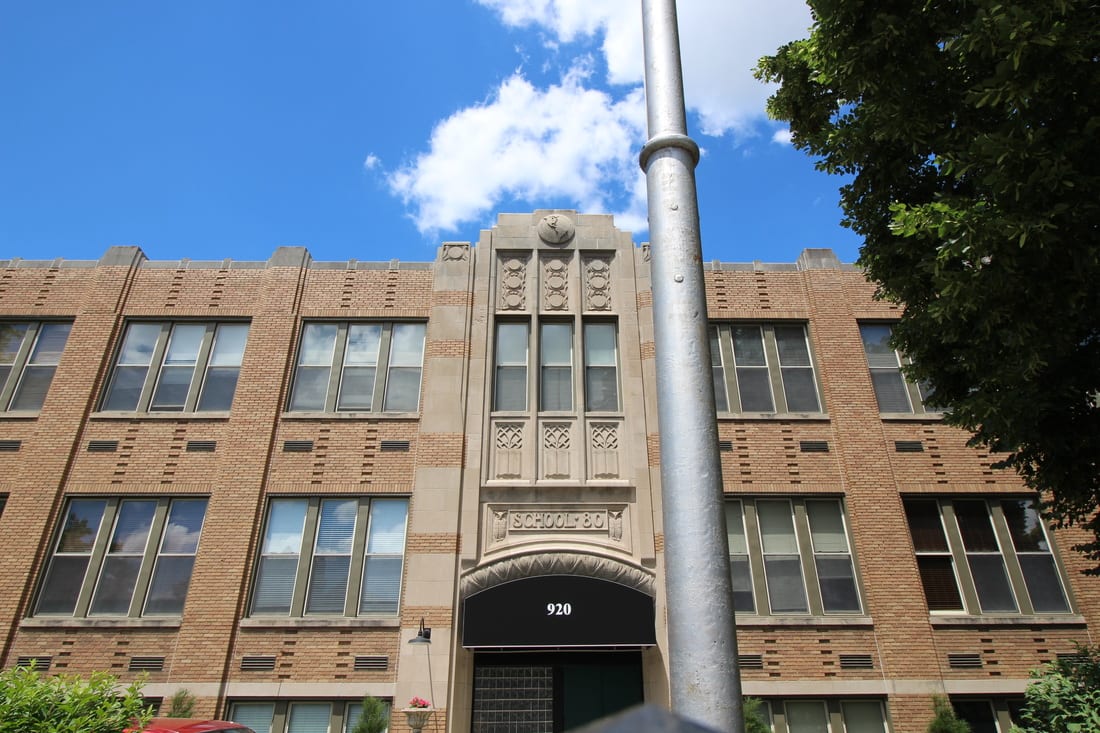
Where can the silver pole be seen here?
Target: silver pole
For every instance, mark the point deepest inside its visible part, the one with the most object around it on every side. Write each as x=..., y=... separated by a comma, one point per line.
x=702, y=640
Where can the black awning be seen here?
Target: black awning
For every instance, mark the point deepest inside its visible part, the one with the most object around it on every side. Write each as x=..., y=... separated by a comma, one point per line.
x=558, y=611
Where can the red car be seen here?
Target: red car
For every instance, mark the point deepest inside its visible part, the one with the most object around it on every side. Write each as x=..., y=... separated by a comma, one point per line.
x=192, y=725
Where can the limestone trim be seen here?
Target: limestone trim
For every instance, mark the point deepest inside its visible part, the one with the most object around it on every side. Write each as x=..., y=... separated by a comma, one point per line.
x=557, y=563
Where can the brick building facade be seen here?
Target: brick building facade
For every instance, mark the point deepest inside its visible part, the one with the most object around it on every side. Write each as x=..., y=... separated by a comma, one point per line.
x=259, y=480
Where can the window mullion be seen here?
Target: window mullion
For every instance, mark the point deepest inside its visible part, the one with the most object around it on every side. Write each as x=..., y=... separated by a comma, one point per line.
x=152, y=547
x=278, y=720
x=382, y=370
x=18, y=365
x=358, y=558
x=729, y=368
x=156, y=360
x=958, y=555
x=305, y=558
x=95, y=561
x=806, y=554
x=202, y=360
x=336, y=372
x=775, y=377
x=1011, y=559
x=756, y=557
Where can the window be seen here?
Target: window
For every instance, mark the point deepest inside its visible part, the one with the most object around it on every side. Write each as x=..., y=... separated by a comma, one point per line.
x=978, y=556
x=297, y=716
x=177, y=367
x=762, y=368
x=359, y=367
x=331, y=556
x=893, y=392
x=123, y=557
x=29, y=353
x=826, y=716
x=556, y=348
x=791, y=556
x=989, y=715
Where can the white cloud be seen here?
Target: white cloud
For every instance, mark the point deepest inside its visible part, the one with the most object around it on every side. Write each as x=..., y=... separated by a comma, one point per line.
x=565, y=141
x=783, y=137
x=571, y=141
x=371, y=162
x=720, y=42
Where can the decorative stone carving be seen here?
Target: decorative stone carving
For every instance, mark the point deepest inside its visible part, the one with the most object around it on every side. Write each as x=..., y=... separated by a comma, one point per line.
x=605, y=450
x=597, y=284
x=556, y=563
x=645, y=252
x=456, y=251
x=513, y=284
x=500, y=526
x=555, y=284
x=556, y=442
x=615, y=525
x=556, y=229
x=508, y=442
x=556, y=435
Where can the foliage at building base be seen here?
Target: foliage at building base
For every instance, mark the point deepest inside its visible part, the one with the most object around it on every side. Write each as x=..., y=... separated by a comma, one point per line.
x=1064, y=696
x=33, y=703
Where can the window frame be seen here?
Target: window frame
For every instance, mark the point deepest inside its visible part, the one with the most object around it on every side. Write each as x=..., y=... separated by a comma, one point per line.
x=959, y=554
x=307, y=542
x=914, y=392
x=807, y=554
x=724, y=368
x=23, y=359
x=340, y=712
x=580, y=366
x=155, y=368
x=100, y=552
x=777, y=714
x=383, y=368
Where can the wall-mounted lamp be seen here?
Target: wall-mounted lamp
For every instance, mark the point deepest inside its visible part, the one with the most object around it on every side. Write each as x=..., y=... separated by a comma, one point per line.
x=423, y=636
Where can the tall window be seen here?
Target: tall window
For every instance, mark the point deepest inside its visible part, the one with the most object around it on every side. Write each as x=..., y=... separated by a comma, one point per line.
x=177, y=367
x=331, y=556
x=790, y=556
x=762, y=368
x=556, y=349
x=825, y=716
x=123, y=557
x=359, y=367
x=893, y=392
x=29, y=354
x=982, y=556
x=297, y=716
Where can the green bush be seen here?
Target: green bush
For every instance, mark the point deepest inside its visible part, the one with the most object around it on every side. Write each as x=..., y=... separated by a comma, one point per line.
x=1064, y=696
x=33, y=703
x=375, y=717
x=753, y=713
x=182, y=704
x=944, y=719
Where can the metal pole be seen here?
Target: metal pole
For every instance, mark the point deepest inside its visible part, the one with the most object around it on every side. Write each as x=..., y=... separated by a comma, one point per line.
x=702, y=640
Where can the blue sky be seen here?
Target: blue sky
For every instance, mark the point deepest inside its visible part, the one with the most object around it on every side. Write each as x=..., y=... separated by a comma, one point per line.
x=373, y=130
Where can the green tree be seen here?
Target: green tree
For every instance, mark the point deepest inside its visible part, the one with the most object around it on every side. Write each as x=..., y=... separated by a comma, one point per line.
x=944, y=719
x=375, y=717
x=181, y=704
x=1064, y=696
x=753, y=713
x=32, y=703
x=970, y=133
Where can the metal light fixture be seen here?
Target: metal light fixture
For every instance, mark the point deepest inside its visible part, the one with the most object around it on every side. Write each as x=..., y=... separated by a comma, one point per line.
x=423, y=636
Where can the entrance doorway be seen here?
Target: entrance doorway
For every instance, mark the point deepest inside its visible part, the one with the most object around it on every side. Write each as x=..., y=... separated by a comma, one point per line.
x=552, y=692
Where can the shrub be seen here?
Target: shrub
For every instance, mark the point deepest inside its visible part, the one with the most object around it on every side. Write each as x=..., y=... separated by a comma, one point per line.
x=33, y=703
x=182, y=704
x=753, y=713
x=375, y=717
x=1064, y=696
x=944, y=719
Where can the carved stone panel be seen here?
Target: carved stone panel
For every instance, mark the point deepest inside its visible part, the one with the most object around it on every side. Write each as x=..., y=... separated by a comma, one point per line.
x=508, y=440
x=604, y=447
x=597, y=284
x=556, y=450
x=555, y=284
x=512, y=295
x=572, y=523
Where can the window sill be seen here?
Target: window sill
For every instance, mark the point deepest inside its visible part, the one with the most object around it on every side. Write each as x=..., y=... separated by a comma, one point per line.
x=315, y=622
x=350, y=416
x=18, y=414
x=137, y=415
x=771, y=416
x=1068, y=619
x=772, y=621
x=66, y=622
x=911, y=416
